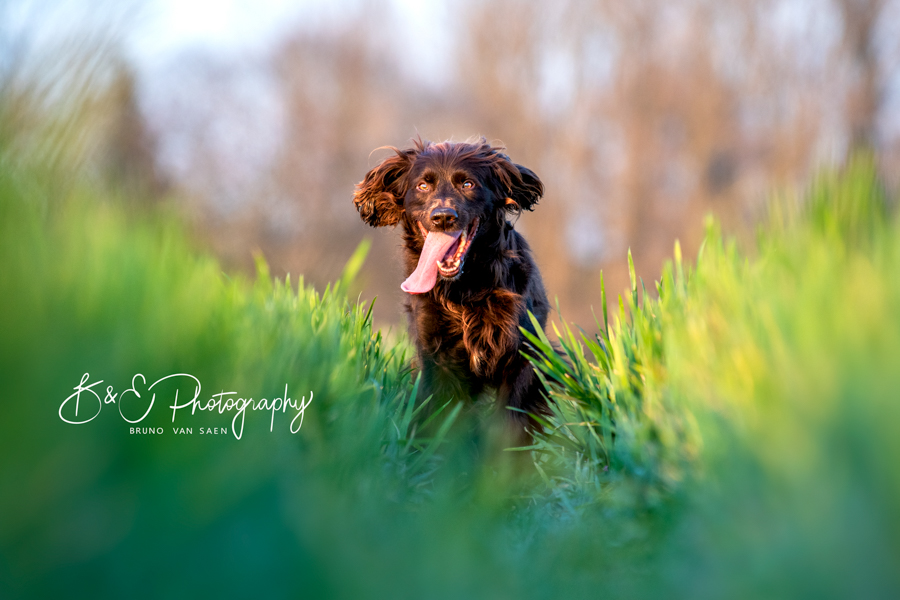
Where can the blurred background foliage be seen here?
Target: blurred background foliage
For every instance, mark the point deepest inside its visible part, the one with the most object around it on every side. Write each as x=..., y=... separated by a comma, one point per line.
x=640, y=117
x=731, y=431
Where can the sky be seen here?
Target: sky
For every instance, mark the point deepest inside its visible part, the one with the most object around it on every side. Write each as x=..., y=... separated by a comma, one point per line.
x=163, y=28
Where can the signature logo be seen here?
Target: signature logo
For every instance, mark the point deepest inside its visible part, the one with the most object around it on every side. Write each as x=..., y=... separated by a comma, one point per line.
x=135, y=403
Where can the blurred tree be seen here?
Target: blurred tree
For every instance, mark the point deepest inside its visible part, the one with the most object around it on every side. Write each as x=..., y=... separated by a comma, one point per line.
x=860, y=20
x=130, y=149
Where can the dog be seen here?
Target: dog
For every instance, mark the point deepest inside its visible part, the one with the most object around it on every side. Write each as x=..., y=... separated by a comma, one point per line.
x=471, y=279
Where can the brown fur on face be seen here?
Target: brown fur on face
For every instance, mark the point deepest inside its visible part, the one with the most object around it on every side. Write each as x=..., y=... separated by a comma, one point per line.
x=466, y=328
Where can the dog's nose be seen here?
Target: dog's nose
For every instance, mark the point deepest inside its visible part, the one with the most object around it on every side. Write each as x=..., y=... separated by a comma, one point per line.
x=444, y=217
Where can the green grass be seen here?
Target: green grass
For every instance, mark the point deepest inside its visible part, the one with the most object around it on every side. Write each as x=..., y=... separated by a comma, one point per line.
x=759, y=393
x=731, y=432
x=87, y=289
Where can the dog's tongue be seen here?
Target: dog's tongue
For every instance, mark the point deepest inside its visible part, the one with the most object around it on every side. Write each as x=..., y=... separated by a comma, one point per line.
x=425, y=275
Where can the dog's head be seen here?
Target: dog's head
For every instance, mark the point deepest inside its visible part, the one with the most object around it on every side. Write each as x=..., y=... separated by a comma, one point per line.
x=446, y=193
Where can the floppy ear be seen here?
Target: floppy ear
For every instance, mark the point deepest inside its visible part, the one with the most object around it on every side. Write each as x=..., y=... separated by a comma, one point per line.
x=528, y=189
x=521, y=187
x=379, y=196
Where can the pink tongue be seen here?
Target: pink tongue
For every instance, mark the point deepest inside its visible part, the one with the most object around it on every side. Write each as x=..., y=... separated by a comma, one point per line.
x=425, y=275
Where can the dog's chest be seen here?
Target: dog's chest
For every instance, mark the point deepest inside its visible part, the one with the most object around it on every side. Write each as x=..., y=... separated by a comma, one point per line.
x=439, y=326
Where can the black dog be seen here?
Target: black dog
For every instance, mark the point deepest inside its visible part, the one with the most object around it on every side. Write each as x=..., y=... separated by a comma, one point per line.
x=471, y=278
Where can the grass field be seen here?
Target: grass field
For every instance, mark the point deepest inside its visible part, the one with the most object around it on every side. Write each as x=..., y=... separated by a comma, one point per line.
x=731, y=431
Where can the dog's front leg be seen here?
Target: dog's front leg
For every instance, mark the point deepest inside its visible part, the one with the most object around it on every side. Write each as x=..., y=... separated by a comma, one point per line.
x=446, y=380
x=521, y=390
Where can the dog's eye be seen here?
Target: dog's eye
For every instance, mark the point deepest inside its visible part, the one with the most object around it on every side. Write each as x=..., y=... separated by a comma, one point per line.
x=423, y=186
x=468, y=185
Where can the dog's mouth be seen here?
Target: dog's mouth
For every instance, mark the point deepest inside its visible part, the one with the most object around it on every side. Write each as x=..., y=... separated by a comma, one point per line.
x=443, y=253
x=451, y=264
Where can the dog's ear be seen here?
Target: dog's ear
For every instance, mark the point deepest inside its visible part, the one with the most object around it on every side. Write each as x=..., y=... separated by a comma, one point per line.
x=379, y=196
x=528, y=189
x=519, y=186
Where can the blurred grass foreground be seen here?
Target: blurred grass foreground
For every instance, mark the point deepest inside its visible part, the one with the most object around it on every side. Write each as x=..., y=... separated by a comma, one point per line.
x=731, y=433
